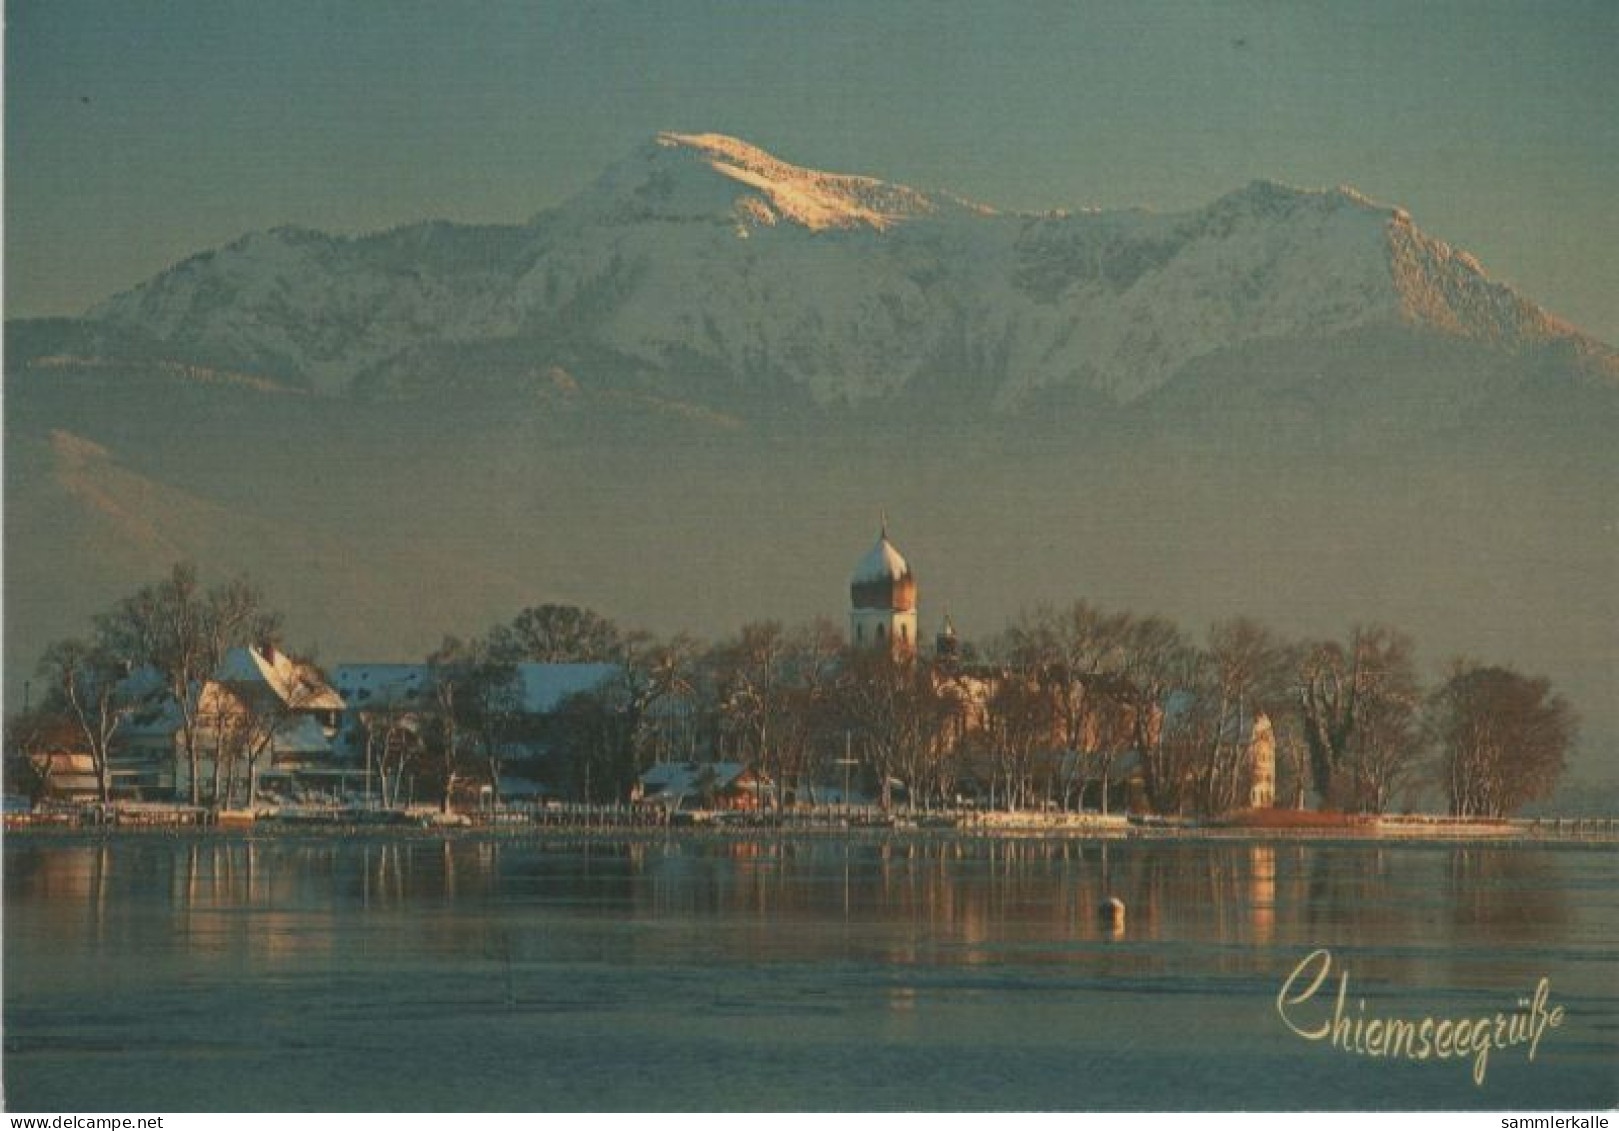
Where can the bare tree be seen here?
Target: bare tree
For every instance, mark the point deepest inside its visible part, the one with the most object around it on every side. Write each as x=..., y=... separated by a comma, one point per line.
x=1292, y=760
x=1021, y=720
x=1248, y=675
x=452, y=671
x=889, y=703
x=392, y=746
x=30, y=739
x=86, y=685
x=815, y=652
x=1340, y=689
x=490, y=701
x=1113, y=721
x=771, y=684
x=1068, y=651
x=248, y=718
x=183, y=631
x=752, y=680
x=1502, y=739
x=1195, y=730
x=1155, y=660
x=1388, y=738
x=664, y=678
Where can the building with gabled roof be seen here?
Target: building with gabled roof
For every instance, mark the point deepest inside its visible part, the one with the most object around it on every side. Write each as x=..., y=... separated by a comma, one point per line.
x=259, y=703
x=675, y=786
x=270, y=674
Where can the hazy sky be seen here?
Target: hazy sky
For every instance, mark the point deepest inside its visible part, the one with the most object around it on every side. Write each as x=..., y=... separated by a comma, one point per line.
x=137, y=133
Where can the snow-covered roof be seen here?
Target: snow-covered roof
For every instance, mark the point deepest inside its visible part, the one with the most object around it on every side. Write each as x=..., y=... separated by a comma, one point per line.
x=143, y=682
x=298, y=685
x=669, y=783
x=545, y=686
x=666, y=774
x=542, y=687
x=882, y=563
x=155, y=711
x=369, y=686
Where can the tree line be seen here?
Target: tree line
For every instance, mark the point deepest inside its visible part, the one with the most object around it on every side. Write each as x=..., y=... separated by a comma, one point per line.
x=1053, y=711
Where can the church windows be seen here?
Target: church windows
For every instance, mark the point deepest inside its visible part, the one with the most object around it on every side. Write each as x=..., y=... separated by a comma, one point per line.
x=882, y=595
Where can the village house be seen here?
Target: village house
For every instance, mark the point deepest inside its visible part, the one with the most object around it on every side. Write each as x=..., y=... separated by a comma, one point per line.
x=58, y=761
x=263, y=721
x=685, y=786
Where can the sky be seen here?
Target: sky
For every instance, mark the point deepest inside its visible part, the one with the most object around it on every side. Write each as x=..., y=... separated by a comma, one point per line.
x=137, y=133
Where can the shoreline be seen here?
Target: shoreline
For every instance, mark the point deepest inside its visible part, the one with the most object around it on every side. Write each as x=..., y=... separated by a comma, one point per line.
x=1586, y=832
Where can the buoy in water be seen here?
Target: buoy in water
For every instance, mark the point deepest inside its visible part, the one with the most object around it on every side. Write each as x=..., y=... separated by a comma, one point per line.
x=1112, y=912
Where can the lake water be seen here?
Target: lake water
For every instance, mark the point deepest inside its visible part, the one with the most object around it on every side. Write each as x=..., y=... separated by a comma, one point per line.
x=152, y=973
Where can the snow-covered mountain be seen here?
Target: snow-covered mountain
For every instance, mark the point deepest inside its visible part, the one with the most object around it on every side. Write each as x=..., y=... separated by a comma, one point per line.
x=702, y=268
x=1288, y=403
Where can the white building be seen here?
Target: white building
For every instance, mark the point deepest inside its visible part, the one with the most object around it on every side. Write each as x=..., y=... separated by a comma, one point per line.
x=261, y=707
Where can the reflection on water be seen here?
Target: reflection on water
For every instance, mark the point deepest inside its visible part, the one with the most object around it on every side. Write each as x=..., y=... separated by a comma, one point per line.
x=945, y=973
x=1262, y=891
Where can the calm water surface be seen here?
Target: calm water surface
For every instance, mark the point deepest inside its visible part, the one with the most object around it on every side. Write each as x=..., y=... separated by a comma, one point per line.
x=152, y=973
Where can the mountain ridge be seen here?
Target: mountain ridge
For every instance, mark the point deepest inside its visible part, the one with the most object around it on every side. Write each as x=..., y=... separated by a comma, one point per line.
x=700, y=256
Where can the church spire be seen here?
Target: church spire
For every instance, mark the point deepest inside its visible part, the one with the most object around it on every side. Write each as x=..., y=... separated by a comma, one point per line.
x=882, y=597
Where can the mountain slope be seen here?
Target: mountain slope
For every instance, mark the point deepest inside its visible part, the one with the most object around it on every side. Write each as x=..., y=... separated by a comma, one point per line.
x=703, y=266
x=83, y=528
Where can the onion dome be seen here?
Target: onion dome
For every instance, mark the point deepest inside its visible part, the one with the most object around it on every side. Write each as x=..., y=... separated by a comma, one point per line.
x=883, y=579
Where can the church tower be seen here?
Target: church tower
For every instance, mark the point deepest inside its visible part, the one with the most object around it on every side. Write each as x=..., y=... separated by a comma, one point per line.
x=1262, y=764
x=882, y=594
